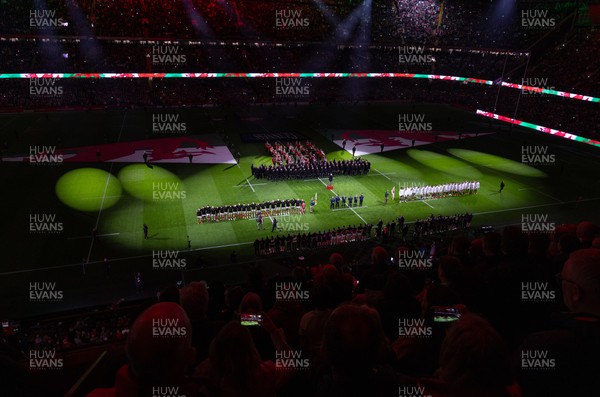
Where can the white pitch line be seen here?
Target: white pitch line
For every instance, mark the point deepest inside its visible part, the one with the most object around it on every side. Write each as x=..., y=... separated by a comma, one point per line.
x=356, y=213
x=320, y=180
x=121, y=259
x=537, y=206
x=427, y=203
x=380, y=173
x=383, y=173
x=91, y=198
x=310, y=180
x=529, y=188
x=347, y=208
x=249, y=184
x=100, y=235
x=252, y=242
x=220, y=246
x=254, y=184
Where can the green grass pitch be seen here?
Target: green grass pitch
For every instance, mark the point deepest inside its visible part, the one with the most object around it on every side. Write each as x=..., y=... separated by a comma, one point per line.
x=120, y=198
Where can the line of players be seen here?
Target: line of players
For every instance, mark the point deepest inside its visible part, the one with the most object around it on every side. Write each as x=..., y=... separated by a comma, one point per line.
x=334, y=201
x=314, y=169
x=250, y=211
x=437, y=191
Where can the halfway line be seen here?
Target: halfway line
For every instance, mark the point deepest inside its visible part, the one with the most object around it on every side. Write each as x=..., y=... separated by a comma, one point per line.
x=352, y=209
x=249, y=184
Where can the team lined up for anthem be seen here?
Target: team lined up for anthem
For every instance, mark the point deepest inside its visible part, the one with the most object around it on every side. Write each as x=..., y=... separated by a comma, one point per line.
x=312, y=169
x=437, y=191
x=249, y=211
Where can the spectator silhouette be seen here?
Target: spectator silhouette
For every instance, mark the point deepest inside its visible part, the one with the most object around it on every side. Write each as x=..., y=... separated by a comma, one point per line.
x=155, y=361
x=194, y=300
x=474, y=361
x=355, y=345
x=234, y=367
x=312, y=324
x=252, y=304
x=573, y=339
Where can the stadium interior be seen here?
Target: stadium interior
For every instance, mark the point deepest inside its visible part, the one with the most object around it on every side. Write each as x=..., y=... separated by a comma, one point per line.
x=285, y=198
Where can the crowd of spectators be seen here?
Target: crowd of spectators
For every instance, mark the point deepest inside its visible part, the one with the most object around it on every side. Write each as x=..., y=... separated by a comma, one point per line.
x=556, y=67
x=440, y=224
x=294, y=152
x=396, y=229
x=572, y=62
x=355, y=324
x=568, y=115
x=447, y=22
x=91, y=329
x=311, y=240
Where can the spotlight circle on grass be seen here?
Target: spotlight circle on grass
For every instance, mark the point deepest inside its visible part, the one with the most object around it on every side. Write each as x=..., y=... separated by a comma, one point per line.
x=152, y=184
x=443, y=163
x=85, y=188
x=497, y=163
